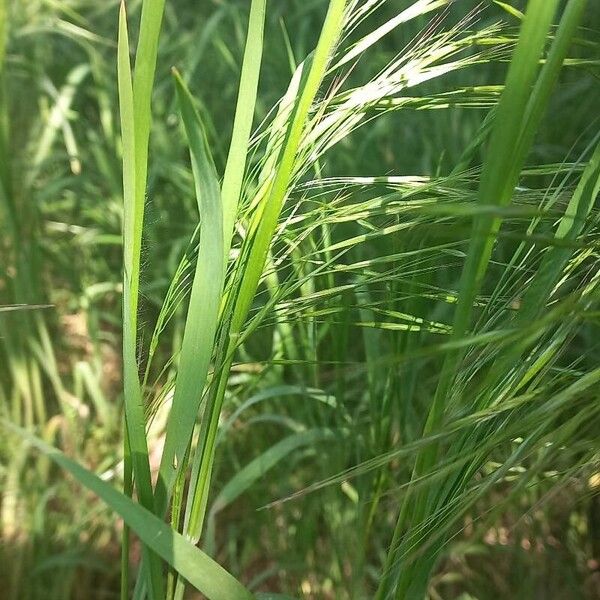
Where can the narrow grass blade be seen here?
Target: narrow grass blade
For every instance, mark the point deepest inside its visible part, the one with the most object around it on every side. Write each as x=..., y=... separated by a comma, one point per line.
x=4, y=125
x=198, y=568
x=571, y=226
x=263, y=228
x=16, y=307
x=519, y=114
x=134, y=410
x=242, y=124
x=145, y=67
x=517, y=118
x=536, y=297
x=257, y=468
x=503, y=165
x=266, y=221
x=58, y=120
x=205, y=299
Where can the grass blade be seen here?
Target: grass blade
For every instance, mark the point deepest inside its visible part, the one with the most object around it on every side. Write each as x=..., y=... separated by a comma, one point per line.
x=539, y=290
x=263, y=228
x=242, y=124
x=197, y=567
x=203, y=312
x=501, y=169
x=143, y=81
x=265, y=221
x=517, y=118
x=136, y=443
x=571, y=225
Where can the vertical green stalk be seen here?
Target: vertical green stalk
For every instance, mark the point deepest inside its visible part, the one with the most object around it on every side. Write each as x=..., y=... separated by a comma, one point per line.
x=143, y=81
x=208, y=283
x=517, y=119
x=135, y=125
x=252, y=262
x=242, y=124
x=217, y=217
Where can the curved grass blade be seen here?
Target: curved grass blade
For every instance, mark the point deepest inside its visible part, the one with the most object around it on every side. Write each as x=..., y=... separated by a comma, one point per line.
x=546, y=277
x=265, y=221
x=254, y=257
x=256, y=468
x=197, y=567
x=571, y=225
x=205, y=299
x=517, y=118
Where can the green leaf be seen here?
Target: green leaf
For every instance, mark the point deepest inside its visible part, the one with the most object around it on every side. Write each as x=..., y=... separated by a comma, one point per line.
x=197, y=567
x=203, y=313
x=242, y=124
x=134, y=411
x=145, y=67
x=257, y=467
x=253, y=258
x=518, y=115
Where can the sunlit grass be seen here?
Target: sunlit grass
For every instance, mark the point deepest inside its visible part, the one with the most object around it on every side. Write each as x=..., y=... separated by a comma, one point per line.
x=402, y=346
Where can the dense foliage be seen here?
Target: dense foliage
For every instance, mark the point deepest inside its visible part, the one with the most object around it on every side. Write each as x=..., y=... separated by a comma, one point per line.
x=314, y=313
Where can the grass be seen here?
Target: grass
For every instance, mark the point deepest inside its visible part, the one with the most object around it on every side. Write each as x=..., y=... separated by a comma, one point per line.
x=377, y=324
x=518, y=115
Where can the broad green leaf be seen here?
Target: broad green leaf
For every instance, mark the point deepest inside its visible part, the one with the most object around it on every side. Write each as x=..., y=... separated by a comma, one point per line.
x=203, y=312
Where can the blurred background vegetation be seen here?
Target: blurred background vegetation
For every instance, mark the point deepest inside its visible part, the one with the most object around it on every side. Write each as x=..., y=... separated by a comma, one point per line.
x=60, y=366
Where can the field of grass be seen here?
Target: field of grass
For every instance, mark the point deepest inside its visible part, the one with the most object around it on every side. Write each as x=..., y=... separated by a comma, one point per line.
x=299, y=299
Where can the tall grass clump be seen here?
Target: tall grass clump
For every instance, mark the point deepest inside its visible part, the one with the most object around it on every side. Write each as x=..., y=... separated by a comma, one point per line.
x=401, y=346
